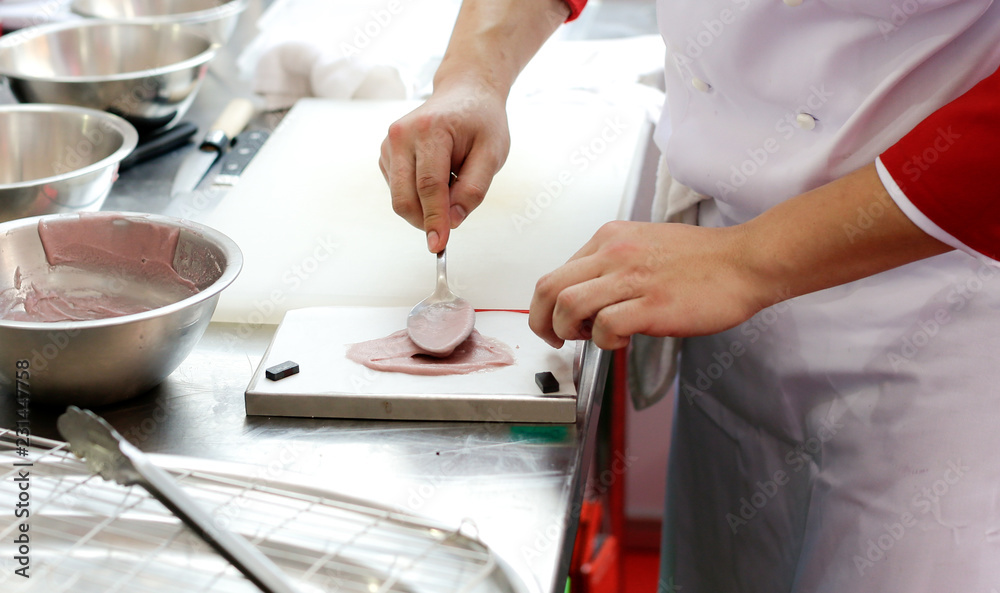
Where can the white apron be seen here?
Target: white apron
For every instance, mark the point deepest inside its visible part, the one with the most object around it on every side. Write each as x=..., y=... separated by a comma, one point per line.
x=847, y=440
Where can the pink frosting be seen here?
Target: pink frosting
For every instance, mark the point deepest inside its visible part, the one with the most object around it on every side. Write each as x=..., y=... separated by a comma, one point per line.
x=131, y=250
x=397, y=353
x=111, y=244
x=439, y=328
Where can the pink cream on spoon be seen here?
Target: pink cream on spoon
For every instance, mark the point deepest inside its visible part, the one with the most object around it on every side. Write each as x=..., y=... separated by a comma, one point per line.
x=442, y=321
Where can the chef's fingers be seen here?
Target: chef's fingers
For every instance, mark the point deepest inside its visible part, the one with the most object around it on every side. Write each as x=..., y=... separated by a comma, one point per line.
x=579, y=307
x=397, y=165
x=432, y=180
x=550, y=288
x=474, y=179
x=614, y=325
x=384, y=159
x=582, y=266
x=383, y=162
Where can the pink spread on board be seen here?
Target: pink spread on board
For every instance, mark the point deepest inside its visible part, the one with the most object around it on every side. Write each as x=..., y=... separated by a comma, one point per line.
x=396, y=353
x=115, y=247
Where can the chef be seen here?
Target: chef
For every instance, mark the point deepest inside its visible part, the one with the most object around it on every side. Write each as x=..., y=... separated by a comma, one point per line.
x=839, y=297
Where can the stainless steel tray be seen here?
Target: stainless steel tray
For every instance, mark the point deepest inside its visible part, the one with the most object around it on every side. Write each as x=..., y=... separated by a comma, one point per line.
x=88, y=535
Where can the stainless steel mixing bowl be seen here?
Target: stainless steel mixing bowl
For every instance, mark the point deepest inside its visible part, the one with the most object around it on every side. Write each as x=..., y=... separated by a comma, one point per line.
x=149, y=74
x=58, y=158
x=217, y=18
x=100, y=361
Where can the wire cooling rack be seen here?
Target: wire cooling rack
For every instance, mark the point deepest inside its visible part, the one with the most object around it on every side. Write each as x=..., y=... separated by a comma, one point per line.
x=85, y=535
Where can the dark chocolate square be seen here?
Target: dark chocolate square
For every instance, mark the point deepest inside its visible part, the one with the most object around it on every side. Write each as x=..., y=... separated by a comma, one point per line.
x=280, y=371
x=546, y=381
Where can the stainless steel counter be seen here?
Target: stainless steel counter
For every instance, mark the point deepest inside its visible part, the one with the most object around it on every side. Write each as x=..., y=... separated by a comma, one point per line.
x=521, y=486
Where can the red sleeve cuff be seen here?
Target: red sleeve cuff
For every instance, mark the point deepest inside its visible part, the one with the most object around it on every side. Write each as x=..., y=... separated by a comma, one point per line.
x=948, y=166
x=575, y=8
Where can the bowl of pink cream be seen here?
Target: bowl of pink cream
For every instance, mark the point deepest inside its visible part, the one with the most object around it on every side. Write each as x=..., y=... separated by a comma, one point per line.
x=99, y=307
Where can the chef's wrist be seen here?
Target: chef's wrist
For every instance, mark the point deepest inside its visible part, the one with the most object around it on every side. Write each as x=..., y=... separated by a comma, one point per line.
x=472, y=82
x=495, y=39
x=760, y=279
x=815, y=241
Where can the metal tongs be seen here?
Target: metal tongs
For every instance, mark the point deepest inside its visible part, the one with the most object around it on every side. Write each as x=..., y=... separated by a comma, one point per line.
x=113, y=458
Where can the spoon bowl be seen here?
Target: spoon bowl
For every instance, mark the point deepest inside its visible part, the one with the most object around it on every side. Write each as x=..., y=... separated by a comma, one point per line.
x=442, y=321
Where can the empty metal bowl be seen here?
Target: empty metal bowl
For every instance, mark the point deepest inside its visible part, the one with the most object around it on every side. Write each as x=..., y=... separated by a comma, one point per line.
x=58, y=158
x=106, y=359
x=149, y=74
x=217, y=18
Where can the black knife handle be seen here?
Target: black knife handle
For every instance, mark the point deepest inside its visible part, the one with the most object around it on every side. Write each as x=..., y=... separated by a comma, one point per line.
x=159, y=143
x=239, y=156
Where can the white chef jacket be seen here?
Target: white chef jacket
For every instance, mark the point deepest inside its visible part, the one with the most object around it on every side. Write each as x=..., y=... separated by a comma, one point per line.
x=846, y=440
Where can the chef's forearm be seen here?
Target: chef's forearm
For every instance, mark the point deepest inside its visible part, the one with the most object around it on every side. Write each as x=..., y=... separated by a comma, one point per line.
x=843, y=231
x=494, y=39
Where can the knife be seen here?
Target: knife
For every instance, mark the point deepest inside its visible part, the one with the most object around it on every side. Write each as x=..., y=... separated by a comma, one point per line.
x=231, y=122
x=233, y=163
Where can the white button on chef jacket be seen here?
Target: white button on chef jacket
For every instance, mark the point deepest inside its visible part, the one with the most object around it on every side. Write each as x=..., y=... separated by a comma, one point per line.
x=844, y=440
x=700, y=85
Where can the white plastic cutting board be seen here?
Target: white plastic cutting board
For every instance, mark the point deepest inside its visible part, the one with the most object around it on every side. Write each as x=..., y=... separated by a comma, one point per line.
x=330, y=385
x=313, y=216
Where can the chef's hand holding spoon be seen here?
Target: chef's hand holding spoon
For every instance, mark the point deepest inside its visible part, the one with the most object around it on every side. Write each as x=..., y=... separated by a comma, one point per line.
x=462, y=127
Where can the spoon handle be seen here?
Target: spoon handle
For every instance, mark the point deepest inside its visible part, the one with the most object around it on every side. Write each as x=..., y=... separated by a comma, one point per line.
x=442, y=288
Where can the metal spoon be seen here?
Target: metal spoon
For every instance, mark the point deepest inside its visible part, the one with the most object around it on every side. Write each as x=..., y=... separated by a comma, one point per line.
x=442, y=321
x=113, y=458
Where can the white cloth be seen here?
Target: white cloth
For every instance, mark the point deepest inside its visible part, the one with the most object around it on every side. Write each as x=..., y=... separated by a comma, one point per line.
x=362, y=49
x=292, y=70
x=843, y=440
